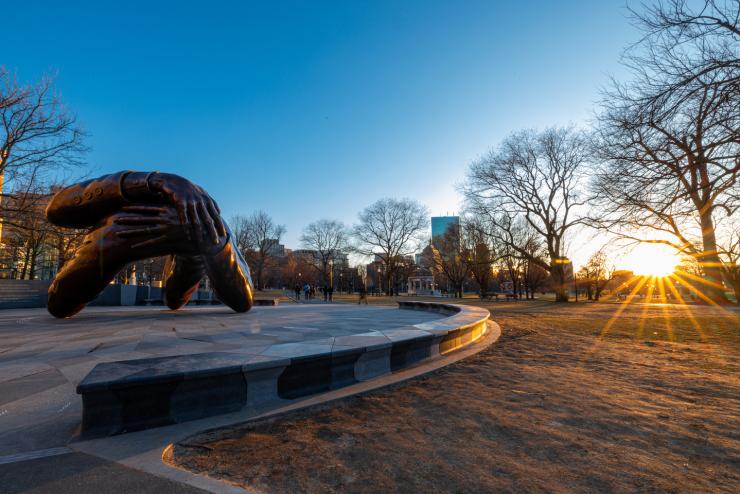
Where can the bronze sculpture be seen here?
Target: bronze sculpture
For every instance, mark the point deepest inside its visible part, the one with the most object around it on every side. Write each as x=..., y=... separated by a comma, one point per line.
x=137, y=215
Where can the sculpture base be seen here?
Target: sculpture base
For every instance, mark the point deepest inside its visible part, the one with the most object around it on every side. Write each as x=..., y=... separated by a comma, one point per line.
x=137, y=394
x=141, y=367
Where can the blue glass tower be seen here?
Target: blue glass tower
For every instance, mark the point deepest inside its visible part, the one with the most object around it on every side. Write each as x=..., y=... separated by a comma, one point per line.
x=440, y=224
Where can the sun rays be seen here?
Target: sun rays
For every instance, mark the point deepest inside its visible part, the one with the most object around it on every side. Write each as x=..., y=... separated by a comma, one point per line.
x=648, y=293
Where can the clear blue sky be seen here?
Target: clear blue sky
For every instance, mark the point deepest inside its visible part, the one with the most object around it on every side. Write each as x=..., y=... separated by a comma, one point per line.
x=314, y=110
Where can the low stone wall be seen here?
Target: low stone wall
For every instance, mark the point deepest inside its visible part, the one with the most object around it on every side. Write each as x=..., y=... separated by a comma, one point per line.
x=139, y=394
x=23, y=294
x=28, y=294
x=465, y=325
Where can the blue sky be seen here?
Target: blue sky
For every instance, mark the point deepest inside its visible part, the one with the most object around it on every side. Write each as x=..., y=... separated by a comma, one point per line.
x=314, y=110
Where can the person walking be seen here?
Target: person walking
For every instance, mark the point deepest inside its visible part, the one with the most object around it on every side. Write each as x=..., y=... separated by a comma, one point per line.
x=363, y=295
x=326, y=293
x=306, y=291
x=330, y=289
x=297, y=290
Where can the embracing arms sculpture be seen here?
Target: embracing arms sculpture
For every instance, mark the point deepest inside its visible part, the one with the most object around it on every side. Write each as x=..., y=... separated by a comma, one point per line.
x=134, y=216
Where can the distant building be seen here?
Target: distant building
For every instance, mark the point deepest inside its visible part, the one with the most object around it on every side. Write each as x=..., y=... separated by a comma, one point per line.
x=421, y=282
x=275, y=248
x=309, y=256
x=377, y=274
x=441, y=224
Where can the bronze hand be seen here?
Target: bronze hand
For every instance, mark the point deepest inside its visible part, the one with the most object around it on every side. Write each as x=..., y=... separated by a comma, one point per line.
x=194, y=206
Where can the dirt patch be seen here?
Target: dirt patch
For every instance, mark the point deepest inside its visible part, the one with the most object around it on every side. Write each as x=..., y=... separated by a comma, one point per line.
x=559, y=404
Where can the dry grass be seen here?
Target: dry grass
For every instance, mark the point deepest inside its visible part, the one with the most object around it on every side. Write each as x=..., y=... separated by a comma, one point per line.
x=557, y=405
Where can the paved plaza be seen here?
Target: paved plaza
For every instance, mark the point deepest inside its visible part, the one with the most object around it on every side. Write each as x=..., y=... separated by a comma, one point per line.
x=43, y=359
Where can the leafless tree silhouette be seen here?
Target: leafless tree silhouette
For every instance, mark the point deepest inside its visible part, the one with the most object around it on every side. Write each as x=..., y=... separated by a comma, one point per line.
x=390, y=229
x=257, y=236
x=669, y=139
x=328, y=238
x=535, y=177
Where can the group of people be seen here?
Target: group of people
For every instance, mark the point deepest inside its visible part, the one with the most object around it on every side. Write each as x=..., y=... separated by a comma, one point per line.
x=309, y=292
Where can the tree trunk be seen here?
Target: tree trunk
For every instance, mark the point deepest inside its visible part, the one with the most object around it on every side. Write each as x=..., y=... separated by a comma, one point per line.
x=710, y=262
x=259, y=276
x=60, y=253
x=558, y=276
x=26, y=259
x=732, y=278
x=32, y=269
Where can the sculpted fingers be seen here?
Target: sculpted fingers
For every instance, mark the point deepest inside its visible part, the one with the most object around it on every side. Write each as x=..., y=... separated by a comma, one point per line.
x=140, y=220
x=138, y=232
x=194, y=221
x=216, y=215
x=208, y=222
x=145, y=209
x=182, y=213
x=152, y=241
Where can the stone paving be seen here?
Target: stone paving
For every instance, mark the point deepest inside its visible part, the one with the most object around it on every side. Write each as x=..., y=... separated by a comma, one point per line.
x=42, y=359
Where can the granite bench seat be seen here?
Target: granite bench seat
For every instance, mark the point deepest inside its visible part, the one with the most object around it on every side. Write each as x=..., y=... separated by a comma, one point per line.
x=130, y=395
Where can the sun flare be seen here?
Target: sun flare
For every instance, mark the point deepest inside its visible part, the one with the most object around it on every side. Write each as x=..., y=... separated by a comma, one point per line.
x=651, y=260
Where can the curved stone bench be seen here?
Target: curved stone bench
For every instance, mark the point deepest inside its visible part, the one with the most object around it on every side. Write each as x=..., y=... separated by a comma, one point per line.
x=466, y=324
x=139, y=394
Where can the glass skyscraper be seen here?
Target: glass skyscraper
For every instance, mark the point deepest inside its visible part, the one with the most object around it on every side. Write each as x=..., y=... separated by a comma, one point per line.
x=440, y=224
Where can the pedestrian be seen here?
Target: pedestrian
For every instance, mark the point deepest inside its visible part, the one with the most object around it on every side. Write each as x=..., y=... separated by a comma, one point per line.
x=326, y=293
x=297, y=290
x=363, y=295
x=331, y=293
x=306, y=291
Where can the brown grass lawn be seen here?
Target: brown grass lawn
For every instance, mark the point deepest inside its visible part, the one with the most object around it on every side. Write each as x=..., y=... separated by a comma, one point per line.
x=561, y=403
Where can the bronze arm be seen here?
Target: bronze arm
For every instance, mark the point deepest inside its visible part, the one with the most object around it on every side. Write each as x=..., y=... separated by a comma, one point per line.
x=84, y=204
x=87, y=203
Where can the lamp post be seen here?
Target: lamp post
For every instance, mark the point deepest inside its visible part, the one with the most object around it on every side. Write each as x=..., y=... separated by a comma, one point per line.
x=575, y=283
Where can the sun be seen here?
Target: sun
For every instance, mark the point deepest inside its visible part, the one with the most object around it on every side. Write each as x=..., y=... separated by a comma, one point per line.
x=651, y=260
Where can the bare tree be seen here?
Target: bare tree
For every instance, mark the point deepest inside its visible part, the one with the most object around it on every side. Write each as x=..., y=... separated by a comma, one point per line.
x=668, y=139
x=26, y=229
x=448, y=257
x=510, y=265
x=391, y=230
x=535, y=278
x=536, y=177
x=37, y=132
x=729, y=251
x=480, y=254
x=533, y=274
x=257, y=237
x=65, y=242
x=685, y=41
x=327, y=238
x=598, y=272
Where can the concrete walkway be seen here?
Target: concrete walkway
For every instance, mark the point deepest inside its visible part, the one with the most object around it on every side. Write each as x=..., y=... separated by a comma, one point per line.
x=80, y=473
